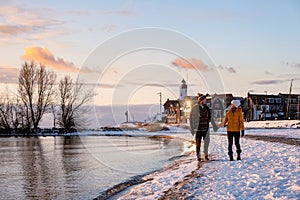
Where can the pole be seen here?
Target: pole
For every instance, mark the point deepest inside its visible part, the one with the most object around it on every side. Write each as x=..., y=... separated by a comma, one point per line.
x=265, y=104
x=298, y=107
x=289, y=100
x=159, y=102
x=126, y=115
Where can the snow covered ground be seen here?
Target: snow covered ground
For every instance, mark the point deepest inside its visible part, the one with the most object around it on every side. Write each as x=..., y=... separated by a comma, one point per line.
x=273, y=124
x=286, y=133
x=266, y=171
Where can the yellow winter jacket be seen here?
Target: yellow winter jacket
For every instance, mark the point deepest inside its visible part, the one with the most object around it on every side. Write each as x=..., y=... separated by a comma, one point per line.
x=234, y=120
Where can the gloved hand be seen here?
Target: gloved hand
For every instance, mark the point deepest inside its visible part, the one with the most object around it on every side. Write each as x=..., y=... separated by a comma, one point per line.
x=242, y=133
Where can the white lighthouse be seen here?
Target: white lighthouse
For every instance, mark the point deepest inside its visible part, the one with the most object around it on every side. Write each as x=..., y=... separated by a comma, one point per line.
x=183, y=90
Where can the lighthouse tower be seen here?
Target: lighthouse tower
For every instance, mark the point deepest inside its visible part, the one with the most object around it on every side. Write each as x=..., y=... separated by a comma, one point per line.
x=183, y=90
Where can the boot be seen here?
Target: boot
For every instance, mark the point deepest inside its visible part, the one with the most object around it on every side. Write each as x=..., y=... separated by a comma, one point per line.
x=206, y=157
x=238, y=156
x=230, y=157
x=198, y=157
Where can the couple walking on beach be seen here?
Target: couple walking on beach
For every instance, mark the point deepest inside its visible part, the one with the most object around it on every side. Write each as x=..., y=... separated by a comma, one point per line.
x=200, y=117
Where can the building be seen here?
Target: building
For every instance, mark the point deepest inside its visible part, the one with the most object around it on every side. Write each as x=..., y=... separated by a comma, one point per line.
x=185, y=108
x=183, y=90
x=292, y=105
x=178, y=111
x=172, y=111
x=263, y=107
x=254, y=106
x=271, y=107
x=219, y=105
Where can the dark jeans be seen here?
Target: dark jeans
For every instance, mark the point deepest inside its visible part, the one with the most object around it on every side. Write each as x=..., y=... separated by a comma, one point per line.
x=236, y=136
x=198, y=137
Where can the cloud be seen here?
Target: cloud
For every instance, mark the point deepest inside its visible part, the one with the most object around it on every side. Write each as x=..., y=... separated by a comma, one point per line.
x=192, y=63
x=109, y=28
x=15, y=15
x=13, y=30
x=267, y=82
x=79, y=12
x=217, y=16
x=161, y=84
x=268, y=73
x=9, y=74
x=45, y=57
x=228, y=69
x=292, y=64
x=122, y=12
x=18, y=20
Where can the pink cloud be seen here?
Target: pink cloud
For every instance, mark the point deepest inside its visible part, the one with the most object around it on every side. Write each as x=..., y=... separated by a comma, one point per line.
x=13, y=30
x=192, y=63
x=17, y=20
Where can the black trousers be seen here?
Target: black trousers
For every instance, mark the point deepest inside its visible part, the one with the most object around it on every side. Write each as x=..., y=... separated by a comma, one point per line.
x=236, y=136
x=198, y=137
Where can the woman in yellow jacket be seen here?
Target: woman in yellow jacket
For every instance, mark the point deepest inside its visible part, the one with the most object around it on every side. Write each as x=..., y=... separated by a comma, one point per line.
x=235, y=124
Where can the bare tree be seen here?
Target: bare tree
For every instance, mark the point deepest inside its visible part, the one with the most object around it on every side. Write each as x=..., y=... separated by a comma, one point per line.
x=73, y=97
x=36, y=86
x=10, y=114
x=5, y=111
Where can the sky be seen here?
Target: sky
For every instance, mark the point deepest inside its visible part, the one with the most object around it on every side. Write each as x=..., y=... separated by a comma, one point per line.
x=129, y=51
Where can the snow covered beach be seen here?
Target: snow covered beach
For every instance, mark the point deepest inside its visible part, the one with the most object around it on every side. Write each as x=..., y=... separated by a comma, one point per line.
x=266, y=171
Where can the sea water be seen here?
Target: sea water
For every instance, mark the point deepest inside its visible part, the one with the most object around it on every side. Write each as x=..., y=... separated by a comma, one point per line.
x=77, y=167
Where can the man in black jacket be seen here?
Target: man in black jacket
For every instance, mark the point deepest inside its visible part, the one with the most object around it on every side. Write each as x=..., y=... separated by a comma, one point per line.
x=199, y=125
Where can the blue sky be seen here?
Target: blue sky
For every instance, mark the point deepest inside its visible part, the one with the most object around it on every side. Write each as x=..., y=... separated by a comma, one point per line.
x=255, y=45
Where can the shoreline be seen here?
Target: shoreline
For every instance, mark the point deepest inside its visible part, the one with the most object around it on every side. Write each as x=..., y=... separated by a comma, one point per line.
x=123, y=188
x=181, y=161
x=194, y=184
x=130, y=133
x=157, y=128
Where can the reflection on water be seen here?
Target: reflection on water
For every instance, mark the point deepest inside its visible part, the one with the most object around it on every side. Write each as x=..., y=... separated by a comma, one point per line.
x=76, y=167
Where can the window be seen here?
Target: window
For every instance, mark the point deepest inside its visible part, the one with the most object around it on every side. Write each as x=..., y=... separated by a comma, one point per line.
x=271, y=100
x=217, y=113
x=294, y=101
x=278, y=100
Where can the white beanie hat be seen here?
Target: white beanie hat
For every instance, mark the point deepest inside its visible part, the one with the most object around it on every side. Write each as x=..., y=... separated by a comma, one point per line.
x=236, y=103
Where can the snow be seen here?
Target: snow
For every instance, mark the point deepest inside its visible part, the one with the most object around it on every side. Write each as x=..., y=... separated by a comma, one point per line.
x=266, y=171
x=273, y=124
x=286, y=133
